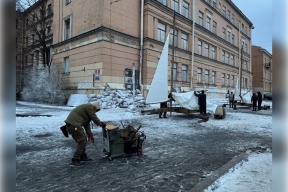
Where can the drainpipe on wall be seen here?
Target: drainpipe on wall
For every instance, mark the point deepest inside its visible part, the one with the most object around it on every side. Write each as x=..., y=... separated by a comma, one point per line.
x=141, y=47
x=239, y=54
x=193, y=34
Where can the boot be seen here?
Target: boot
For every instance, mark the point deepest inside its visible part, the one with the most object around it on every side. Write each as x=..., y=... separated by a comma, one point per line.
x=165, y=116
x=85, y=158
x=76, y=163
x=160, y=116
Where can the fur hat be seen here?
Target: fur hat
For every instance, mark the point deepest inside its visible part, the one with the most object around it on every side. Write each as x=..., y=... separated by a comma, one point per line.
x=96, y=106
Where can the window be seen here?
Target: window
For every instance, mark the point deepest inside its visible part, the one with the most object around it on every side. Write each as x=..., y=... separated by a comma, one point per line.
x=161, y=32
x=232, y=81
x=175, y=37
x=228, y=36
x=200, y=19
x=175, y=5
x=224, y=11
x=67, y=29
x=199, y=47
x=185, y=9
x=175, y=72
x=66, y=64
x=245, y=65
x=208, y=22
x=206, y=50
x=49, y=9
x=245, y=48
x=232, y=60
x=184, y=73
x=223, y=79
x=215, y=4
x=17, y=23
x=228, y=80
x=233, y=19
x=208, y=1
x=228, y=15
x=245, y=30
x=32, y=38
x=184, y=41
x=213, y=78
x=233, y=39
x=212, y=52
x=214, y=27
x=41, y=14
x=242, y=28
x=163, y=2
x=68, y=1
x=246, y=83
x=227, y=58
x=242, y=82
x=199, y=75
x=224, y=33
x=223, y=56
x=207, y=76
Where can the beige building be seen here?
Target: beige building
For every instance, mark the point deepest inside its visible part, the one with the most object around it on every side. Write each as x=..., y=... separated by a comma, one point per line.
x=95, y=42
x=262, y=70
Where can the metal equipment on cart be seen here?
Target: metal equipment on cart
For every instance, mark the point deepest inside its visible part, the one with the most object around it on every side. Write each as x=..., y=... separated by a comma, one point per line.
x=120, y=142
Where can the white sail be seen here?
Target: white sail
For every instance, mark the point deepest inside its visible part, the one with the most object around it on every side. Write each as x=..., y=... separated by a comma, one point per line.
x=158, y=91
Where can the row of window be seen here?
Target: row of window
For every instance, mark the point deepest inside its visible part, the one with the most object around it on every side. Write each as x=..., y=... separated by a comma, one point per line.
x=227, y=14
x=48, y=32
x=161, y=31
x=178, y=6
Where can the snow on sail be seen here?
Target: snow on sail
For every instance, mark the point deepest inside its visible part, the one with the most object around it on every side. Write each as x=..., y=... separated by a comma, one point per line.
x=158, y=91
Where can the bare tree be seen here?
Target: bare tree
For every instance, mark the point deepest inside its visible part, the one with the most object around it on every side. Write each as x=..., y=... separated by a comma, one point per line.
x=34, y=34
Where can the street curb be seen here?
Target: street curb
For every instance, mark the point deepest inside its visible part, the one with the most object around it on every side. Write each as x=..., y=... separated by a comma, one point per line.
x=219, y=172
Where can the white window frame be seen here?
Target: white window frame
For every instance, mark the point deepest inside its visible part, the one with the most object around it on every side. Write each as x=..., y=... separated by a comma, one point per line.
x=199, y=44
x=233, y=39
x=184, y=73
x=65, y=35
x=199, y=75
x=213, y=77
x=163, y=2
x=224, y=11
x=206, y=50
x=161, y=31
x=214, y=30
x=175, y=37
x=224, y=33
x=185, y=9
x=208, y=23
x=66, y=65
x=206, y=76
x=175, y=71
x=223, y=78
x=175, y=5
x=213, y=52
x=184, y=39
x=227, y=80
x=200, y=18
x=232, y=81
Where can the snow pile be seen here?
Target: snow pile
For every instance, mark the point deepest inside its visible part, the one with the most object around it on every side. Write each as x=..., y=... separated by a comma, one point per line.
x=254, y=173
x=110, y=99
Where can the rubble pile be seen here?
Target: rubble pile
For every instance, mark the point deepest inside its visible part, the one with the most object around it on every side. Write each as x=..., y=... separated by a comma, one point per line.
x=119, y=98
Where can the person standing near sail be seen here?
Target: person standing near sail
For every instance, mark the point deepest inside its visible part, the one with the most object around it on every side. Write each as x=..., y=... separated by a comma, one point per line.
x=201, y=101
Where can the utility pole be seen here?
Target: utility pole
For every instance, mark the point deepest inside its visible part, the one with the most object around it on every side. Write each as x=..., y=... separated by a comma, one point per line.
x=133, y=82
x=174, y=15
x=241, y=69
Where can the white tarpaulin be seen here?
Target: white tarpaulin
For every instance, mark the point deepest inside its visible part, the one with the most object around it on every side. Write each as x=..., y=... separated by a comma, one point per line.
x=158, y=91
x=189, y=101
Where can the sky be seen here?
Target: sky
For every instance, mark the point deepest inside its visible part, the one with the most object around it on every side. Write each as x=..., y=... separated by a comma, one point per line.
x=252, y=174
x=259, y=12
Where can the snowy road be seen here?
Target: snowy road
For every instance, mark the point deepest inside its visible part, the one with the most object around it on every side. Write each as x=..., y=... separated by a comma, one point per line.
x=178, y=152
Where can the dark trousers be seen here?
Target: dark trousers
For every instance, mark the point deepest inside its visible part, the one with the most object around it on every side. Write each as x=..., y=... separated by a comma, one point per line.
x=231, y=104
x=254, y=105
x=202, y=108
x=80, y=138
x=163, y=105
x=259, y=105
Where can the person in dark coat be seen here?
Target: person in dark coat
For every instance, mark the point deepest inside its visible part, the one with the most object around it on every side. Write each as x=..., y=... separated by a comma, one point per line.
x=259, y=100
x=201, y=101
x=231, y=100
x=254, y=99
x=79, y=118
x=164, y=105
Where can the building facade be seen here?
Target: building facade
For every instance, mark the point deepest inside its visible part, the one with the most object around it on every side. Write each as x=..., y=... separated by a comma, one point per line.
x=262, y=70
x=96, y=42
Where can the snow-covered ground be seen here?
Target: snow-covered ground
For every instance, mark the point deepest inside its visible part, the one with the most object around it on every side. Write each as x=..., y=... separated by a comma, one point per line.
x=252, y=174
